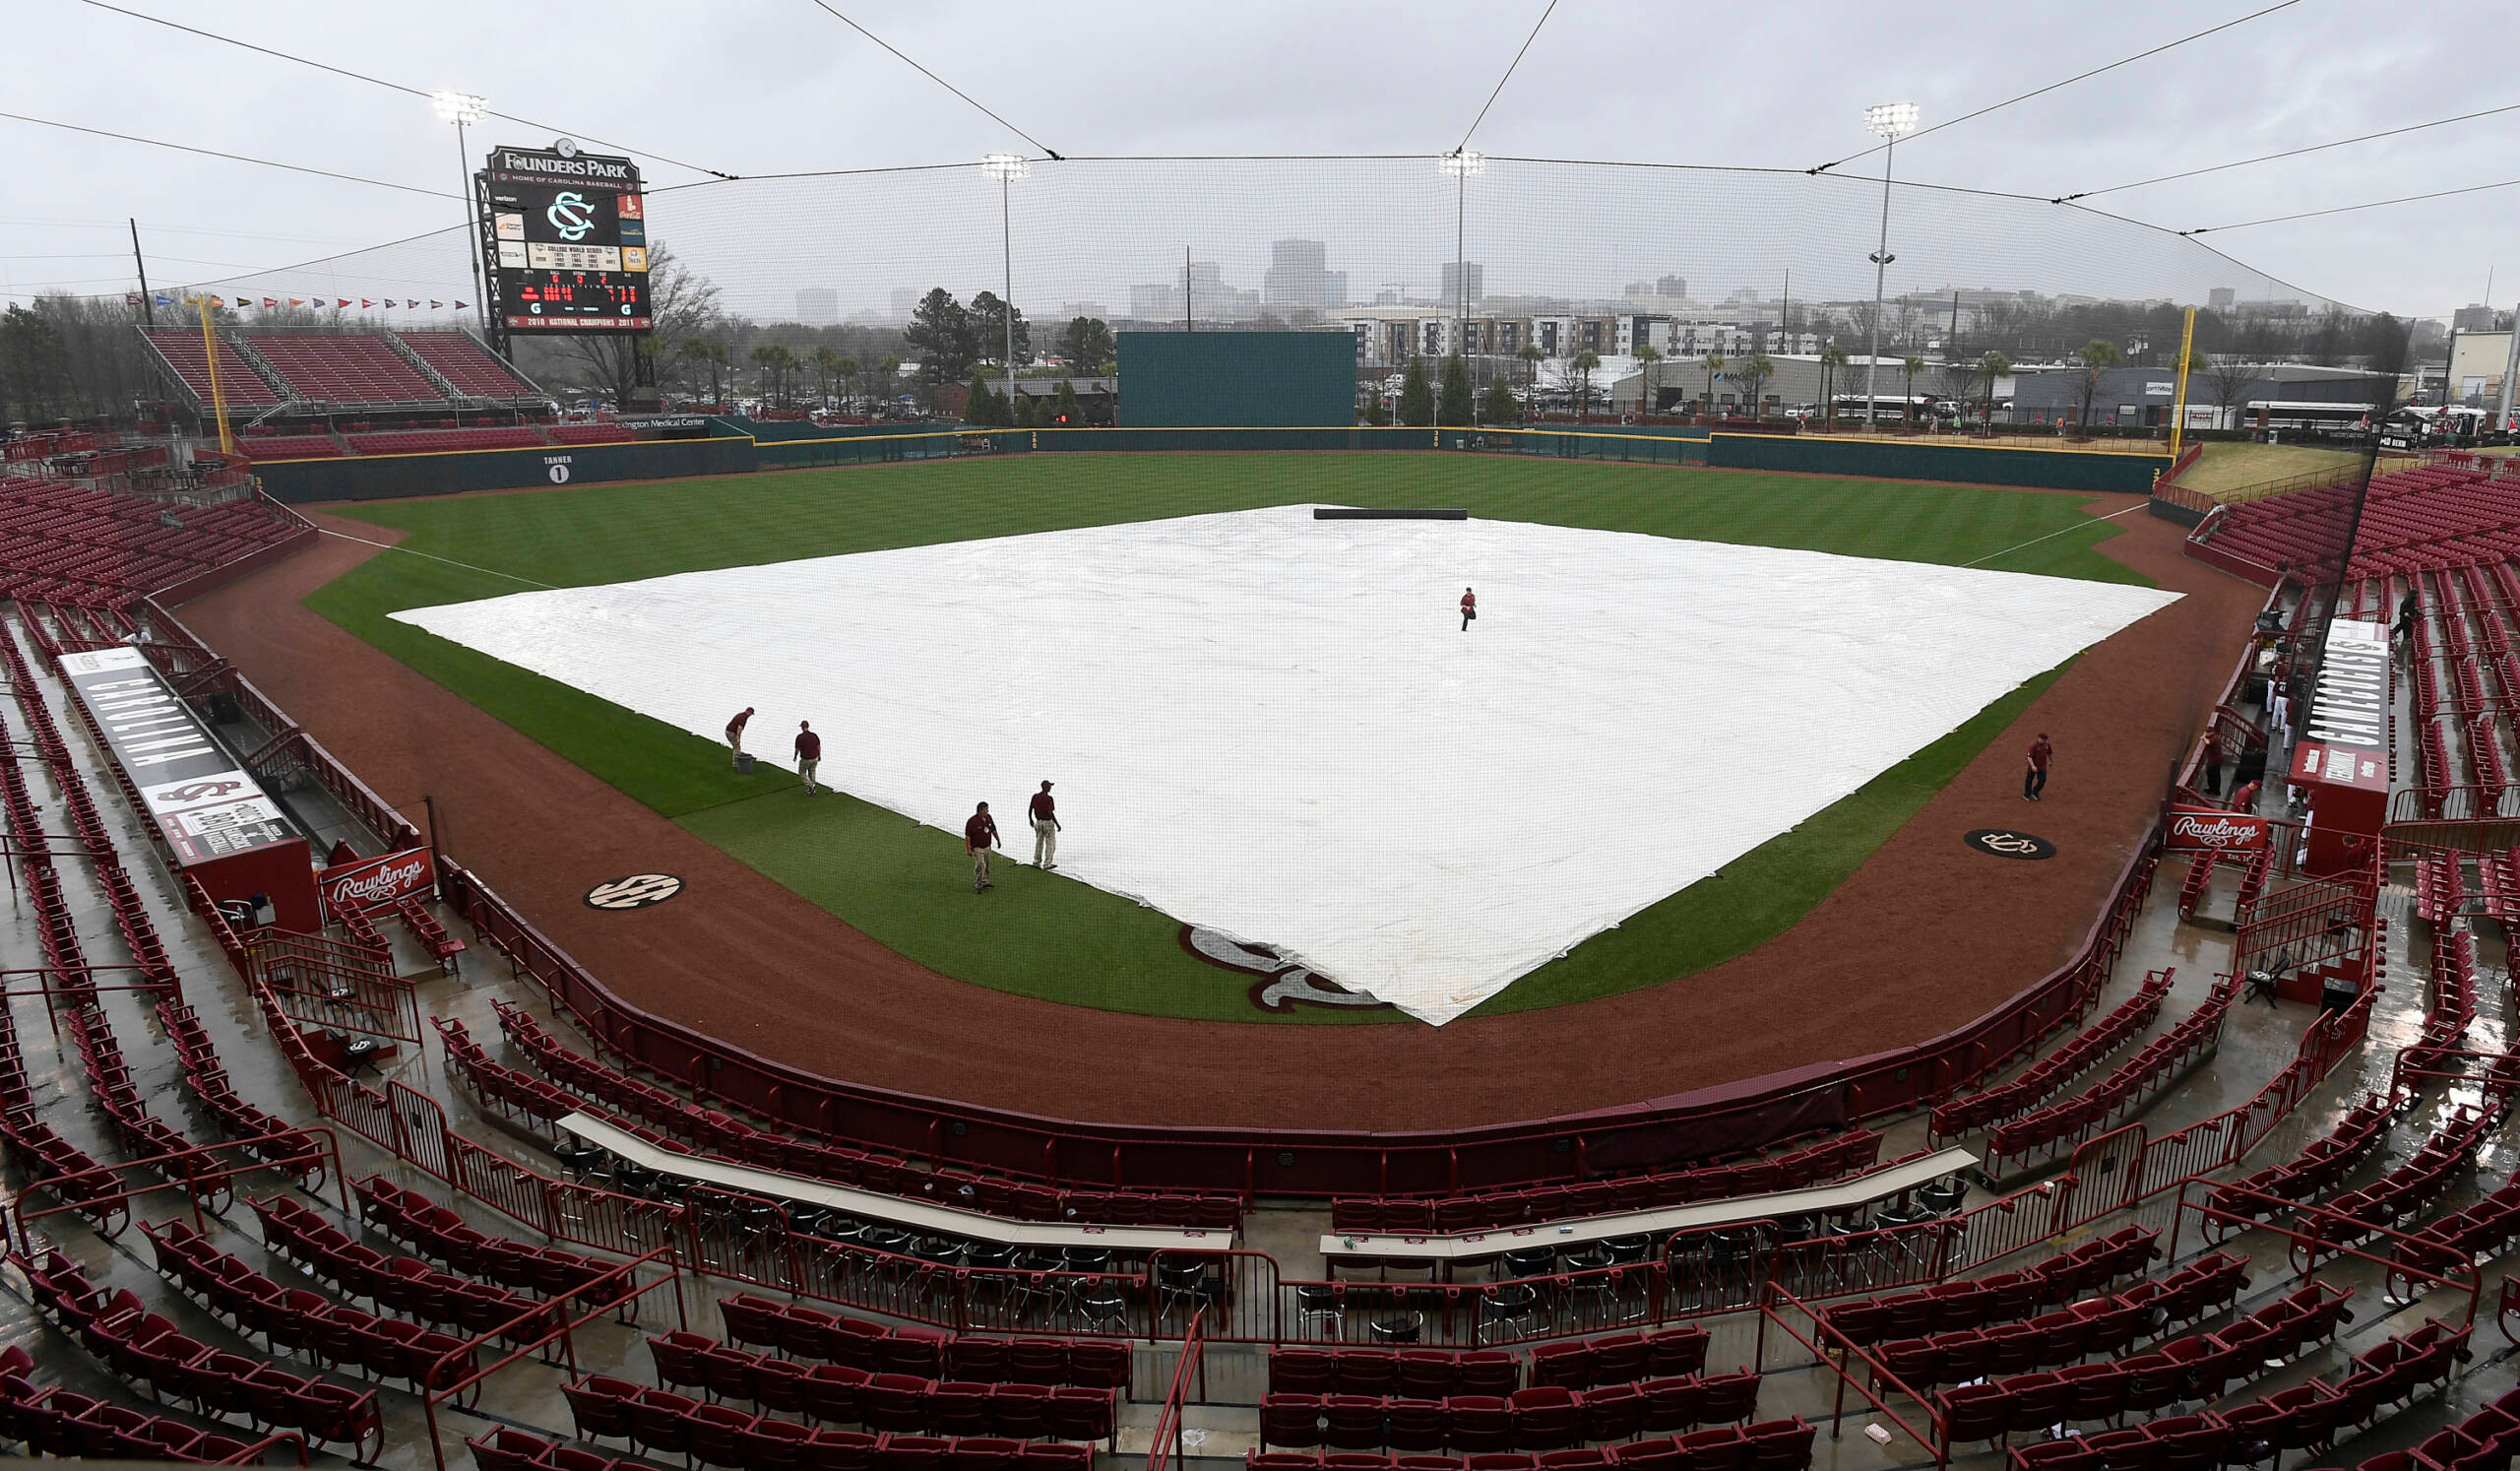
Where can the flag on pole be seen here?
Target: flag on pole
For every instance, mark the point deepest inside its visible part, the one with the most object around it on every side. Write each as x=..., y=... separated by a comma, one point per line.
x=434, y=306
x=460, y=307
x=267, y=301
x=363, y=301
x=165, y=301
x=341, y=301
x=294, y=302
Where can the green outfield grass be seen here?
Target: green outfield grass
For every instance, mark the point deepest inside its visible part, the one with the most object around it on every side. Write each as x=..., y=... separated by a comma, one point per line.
x=1047, y=936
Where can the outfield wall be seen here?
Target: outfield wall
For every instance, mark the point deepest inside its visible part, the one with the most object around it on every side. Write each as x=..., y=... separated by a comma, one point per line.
x=1896, y=460
x=394, y=476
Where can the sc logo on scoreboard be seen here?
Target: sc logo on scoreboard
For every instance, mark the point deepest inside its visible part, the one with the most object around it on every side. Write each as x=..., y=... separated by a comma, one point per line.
x=571, y=216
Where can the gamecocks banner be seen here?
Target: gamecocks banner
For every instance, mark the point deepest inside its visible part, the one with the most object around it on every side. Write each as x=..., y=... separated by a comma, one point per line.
x=2199, y=829
x=364, y=886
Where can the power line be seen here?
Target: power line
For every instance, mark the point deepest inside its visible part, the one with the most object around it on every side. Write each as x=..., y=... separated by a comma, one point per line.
x=2288, y=153
x=2068, y=82
x=1508, y=77
x=380, y=81
x=2350, y=209
x=939, y=81
x=212, y=152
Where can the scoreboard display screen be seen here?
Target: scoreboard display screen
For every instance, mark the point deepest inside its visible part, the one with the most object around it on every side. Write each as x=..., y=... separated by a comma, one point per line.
x=569, y=241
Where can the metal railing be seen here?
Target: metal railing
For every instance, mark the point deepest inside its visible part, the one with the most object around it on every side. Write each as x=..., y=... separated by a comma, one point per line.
x=1167, y=1444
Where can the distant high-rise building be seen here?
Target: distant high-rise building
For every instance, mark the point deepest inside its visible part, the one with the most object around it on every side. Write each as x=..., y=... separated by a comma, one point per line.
x=1298, y=277
x=2220, y=298
x=1674, y=287
x=1211, y=299
x=818, y=306
x=905, y=301
x=2478, y=318
x=1454, y=270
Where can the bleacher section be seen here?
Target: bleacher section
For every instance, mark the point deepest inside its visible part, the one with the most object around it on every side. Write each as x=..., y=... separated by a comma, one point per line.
x=590, y=434
x=92, y=547
x=465, y=364
x=329, y=369
x=290, y=447
x=2439, y=515
x=438, y=442
x=238, y=383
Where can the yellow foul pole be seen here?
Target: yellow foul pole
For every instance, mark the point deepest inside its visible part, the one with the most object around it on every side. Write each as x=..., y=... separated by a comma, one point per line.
x=210, y=355
x=2178, y=406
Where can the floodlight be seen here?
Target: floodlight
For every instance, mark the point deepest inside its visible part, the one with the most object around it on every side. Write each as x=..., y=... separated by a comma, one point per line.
x=1893, y=120
x=1463, y=162
x=1005, y=167
x=460, y=107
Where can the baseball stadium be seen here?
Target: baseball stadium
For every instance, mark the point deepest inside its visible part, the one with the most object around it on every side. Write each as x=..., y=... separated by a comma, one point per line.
x=612, y=867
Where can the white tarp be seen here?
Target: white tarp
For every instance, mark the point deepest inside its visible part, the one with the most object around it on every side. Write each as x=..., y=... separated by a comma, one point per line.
x=1274, y=726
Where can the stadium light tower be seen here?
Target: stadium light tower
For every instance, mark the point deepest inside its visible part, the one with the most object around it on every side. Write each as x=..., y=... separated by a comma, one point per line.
x=459, y=108
x=1890, y=121
x=1461, y=163
x=1006, y=168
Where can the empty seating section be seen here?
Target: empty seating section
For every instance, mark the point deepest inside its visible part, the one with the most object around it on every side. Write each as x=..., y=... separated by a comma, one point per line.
x=2010, y=1297
x=1816, y=1164
x=2161, y=1062
x=2450, y=997
x=865, y=1347
x=63, y=544
x=2318, y=1169
x=463, y=361
x=342, y=369
x=841, y=1163
x=52, y=1421
x=261, y=447
x=1768, y=1445
x=928, y=1433
x=2050, y=1075
x=2439, y=514
x=441, y=1234
x=238, y=383
x=142, y=1347
x=2304, y=1417
x=590, y=433
x=441, y=441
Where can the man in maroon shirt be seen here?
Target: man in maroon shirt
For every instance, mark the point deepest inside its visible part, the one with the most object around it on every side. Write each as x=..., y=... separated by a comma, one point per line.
x=1045, y=829
x=2034, y=779
x=736, y=733
x=1468, y=608
x=809, y=753
x=978, y=836
x=2213, y=764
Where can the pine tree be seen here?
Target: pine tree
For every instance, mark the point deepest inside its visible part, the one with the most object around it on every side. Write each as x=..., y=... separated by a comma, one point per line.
x=1458, y=400
x=986, y=409
x=1499, y=408
x=1068, y=411
x=1375, y=415
x=1416, y=399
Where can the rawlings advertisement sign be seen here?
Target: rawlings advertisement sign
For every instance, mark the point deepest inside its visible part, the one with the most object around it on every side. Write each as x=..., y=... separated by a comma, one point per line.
x=2202, y=829
x=377, y=882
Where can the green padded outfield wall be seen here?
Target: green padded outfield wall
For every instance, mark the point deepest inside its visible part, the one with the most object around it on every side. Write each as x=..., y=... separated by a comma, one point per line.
x=2057, y=470
x=1199, y=380
x=394, y=476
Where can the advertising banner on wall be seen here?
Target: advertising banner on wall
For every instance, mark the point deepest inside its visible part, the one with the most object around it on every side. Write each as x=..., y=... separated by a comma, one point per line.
x=2211, y=830
x=378, y=882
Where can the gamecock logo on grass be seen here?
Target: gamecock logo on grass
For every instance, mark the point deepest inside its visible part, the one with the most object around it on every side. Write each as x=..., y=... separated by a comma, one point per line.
x=2202, y=829
x=383, y=880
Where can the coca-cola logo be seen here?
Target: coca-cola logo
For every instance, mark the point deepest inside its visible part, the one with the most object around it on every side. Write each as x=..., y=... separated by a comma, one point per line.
x=2220, y=830
x=378, y=882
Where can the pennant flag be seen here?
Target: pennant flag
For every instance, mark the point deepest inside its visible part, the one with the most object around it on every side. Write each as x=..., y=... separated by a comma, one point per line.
x=267, y=301
x=294, y=302
x=433, y=306
x=341, y=301
x=460, y=307
x=363, y=301
x=165, y=301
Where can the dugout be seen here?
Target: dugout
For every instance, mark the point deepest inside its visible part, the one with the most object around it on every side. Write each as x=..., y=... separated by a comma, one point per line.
x=1196, y=380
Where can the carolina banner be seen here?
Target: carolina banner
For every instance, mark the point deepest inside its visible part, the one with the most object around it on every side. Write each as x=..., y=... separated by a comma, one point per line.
x=2209, y=829
x=377, y=882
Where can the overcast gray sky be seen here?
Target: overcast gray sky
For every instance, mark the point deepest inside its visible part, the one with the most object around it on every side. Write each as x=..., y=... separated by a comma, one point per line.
x=758, y=87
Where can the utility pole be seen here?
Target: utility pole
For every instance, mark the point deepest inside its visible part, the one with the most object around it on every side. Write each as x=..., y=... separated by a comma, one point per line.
x=147, y=311
x=1185, y=289
x=2510, y=366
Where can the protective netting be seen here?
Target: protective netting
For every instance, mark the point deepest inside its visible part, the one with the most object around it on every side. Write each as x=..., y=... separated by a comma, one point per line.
x=1090, y=232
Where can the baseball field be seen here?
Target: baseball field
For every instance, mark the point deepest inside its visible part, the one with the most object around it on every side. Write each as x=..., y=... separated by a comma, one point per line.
x=1058, y=939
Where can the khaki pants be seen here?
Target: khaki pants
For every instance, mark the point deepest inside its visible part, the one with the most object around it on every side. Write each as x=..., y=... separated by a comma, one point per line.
x=980, y=865
x=805, y=769
x=1045, y=843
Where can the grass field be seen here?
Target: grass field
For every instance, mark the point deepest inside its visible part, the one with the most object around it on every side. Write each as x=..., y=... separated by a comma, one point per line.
x=907, y=886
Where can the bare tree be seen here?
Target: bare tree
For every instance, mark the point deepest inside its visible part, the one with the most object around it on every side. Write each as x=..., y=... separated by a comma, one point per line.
x=2228, y=379
x=680, y=302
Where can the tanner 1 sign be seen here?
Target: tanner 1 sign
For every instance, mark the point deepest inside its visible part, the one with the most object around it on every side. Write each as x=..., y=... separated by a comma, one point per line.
x=378, y=882
x=2207, y=829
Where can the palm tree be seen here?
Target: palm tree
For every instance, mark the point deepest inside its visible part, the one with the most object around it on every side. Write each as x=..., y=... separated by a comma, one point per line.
x=843, y=370
x=1713, y=362
x=1911, y=366
x=1991, y=367
x=1530, y=354
x=1757, y=372
x=767, y=355
x=2097, y=353
x=1646, y=356
x=1832, y=358
x=826, y=371
x=701, y=350
x=1580, y=367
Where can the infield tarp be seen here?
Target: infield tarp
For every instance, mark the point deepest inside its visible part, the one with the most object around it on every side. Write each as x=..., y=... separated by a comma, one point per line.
x=1277, y=728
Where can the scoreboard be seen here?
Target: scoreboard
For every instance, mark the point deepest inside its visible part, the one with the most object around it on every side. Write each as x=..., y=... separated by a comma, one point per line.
x=566, y=235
